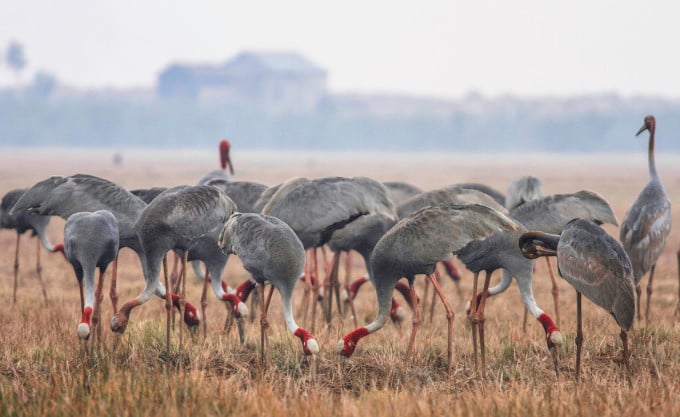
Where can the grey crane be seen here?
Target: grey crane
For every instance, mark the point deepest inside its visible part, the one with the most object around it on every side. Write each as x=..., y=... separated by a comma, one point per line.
x=399, y=192
x=414, y=246
x=90, y=242
x=521, y=190
x=495, y=194
x=271, y=251
x=64, y=196
x=596, y=265
x=315, y=209
x=243, y=194
x=225, y=162
x=361, y=235
x=647, y=223
x=23, y=222
x=178, y=219
x=366, y=237
x=500, y=250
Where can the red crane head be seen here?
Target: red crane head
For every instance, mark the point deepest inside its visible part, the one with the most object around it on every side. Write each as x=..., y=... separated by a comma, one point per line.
x=225, y=160
x=650, y=124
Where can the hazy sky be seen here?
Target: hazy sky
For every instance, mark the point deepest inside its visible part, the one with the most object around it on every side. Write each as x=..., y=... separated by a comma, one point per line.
x=441, y=48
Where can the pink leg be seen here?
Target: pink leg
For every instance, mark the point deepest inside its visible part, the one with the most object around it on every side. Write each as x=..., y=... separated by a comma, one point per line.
x=204, y=303
x=16, y=269
x=416, y=320
x=555, y=290
x=38, y=270
x=449, y=315
x=113, y=295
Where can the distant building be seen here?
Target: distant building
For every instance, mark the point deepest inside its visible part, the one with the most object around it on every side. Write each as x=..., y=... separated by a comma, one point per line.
x=275, y=81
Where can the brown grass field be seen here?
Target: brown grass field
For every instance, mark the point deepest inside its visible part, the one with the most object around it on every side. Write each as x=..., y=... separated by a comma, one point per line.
x=43, y=370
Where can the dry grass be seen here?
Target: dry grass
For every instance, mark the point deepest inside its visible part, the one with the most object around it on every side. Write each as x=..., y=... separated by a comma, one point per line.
x=43, y=370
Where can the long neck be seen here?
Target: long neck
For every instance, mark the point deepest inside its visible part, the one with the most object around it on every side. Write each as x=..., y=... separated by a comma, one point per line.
x=650, y=154
x=384, y=293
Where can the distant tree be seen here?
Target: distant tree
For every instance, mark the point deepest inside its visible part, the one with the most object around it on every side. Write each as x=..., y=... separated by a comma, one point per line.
x=15, y=57
x=43, y=84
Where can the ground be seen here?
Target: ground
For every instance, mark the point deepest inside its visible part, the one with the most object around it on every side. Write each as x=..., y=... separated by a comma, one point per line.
x=44, y=371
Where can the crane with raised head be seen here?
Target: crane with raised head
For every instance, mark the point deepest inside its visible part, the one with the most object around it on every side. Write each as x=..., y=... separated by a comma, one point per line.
x=647, y=222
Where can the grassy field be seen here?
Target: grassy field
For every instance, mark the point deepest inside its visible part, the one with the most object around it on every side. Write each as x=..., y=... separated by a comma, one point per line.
x=43, y=369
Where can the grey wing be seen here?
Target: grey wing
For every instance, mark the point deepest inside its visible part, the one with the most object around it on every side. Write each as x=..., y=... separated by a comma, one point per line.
x=243, y=193
x=313, y=206
x=399, y=192
x=217, y=174
x=453, y=195
x=522, y=190
x=644, y=233
x=63, y=196
x=599, y=268
x=433, y=233
x=33, y=198
x=148, y=194
x=495, y=194
x=191, y=211
x=375, y=195
x=550, y=214
x=271, y=196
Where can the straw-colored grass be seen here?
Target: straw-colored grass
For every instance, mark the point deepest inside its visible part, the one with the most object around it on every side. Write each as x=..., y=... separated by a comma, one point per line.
x=45, y=371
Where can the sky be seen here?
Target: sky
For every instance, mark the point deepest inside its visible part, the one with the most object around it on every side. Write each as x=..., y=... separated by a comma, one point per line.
x=427, y=48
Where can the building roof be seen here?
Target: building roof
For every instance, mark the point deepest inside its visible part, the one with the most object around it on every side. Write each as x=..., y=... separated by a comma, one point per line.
x=276, y=62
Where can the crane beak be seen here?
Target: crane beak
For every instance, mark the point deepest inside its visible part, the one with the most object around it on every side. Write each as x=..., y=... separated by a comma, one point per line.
x=536, y=244
x=642, y=129
x=230, y=165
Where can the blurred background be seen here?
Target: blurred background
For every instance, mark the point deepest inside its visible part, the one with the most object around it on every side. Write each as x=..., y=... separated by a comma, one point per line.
x=486, y=77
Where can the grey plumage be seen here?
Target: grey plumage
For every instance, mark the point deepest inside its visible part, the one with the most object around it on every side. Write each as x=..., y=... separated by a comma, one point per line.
x=314, y=209
x=598, y=267
x=415, y=244
x=23, y=221
x=646, y=226
x=551, y=213
x=647, y=223
x=175, y=220
x=398, y=192
x=495, y=194
x=148, y=194
x=521, y=190
x=271, y=252
x=451, y=194
x=217, y=174
x=90, y=242
x=483, y=238
x=243, y=193
x=64, y=196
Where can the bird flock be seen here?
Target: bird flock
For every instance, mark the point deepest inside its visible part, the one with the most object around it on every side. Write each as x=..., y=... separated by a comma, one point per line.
x=282, y=235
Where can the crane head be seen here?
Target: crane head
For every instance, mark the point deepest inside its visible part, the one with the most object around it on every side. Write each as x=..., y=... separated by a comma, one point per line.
x=536, y=244
x=225, y=160
x=84, y=326
x=309, y=345
x=348, y=343
x=649, y=124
